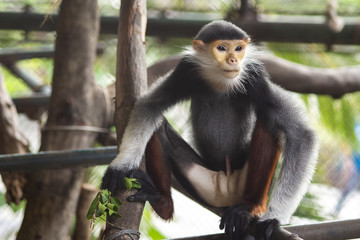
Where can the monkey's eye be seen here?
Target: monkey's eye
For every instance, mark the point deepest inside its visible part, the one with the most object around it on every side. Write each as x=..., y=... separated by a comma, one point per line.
x=221, y=48
x=238, y=48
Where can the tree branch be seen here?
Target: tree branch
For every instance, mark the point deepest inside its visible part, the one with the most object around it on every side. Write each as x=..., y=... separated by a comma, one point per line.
x=303, y=79
x=12, y=140
x=291, y=76
x=130, y=83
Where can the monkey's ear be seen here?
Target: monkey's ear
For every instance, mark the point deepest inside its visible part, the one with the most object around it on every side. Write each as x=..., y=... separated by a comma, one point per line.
x=247, y=40
x=199, y=45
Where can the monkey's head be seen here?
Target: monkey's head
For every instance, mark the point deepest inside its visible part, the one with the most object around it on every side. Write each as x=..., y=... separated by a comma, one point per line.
x=221, y=46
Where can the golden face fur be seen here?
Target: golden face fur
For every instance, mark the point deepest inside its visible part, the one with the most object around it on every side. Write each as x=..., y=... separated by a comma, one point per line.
x=224, y=60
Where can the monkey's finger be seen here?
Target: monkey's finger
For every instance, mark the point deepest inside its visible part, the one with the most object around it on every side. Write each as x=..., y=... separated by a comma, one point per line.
x=239, y=230
x=264, y=228
x=234, y=219
x=113, y=180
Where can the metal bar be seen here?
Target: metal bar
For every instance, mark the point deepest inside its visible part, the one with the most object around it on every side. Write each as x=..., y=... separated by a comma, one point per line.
x=15, y=54
x=37, y=100
x=33, y=82
x=58, y=159
x=334, y=230
x=11, y=55
x=309, y=30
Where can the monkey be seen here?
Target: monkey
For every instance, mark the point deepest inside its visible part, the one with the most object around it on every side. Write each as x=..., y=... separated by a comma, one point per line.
x=241, y=122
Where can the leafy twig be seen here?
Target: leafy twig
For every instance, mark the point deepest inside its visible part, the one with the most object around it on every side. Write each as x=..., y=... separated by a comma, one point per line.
x=105, y=205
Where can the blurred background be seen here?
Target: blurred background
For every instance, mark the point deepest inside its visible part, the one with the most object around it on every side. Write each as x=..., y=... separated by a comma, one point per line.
x=334, y=192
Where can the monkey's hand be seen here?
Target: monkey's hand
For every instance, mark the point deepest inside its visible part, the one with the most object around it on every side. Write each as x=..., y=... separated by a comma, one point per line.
x=264, y=228
x=113, y=179
x=236, y=220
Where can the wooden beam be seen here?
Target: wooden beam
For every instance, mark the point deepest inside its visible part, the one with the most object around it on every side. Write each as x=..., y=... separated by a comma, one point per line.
x=291, y=29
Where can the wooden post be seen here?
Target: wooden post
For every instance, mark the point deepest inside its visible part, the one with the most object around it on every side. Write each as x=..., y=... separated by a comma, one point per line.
x=76, y=101
x=131, y=82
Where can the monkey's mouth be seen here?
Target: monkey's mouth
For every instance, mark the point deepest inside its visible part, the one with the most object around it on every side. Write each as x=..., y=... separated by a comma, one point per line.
x=231, y=71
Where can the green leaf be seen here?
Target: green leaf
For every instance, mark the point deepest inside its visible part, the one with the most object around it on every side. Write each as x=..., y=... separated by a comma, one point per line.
x=101, y=210
x=131, y=183
x=116, y=201
x=106, y=191
x=103, y=205
x=136, y=184
x=128, y=183
x=92, y=207
x=104, y=198
x=113, y=207
x=115, y=214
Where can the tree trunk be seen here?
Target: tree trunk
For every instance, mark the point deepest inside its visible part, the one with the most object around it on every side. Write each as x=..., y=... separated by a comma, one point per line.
x=130, y=83
x=12, y=140
x=52, y=195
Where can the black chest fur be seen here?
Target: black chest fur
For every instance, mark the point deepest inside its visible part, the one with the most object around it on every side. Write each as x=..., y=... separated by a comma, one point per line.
x=222, y=126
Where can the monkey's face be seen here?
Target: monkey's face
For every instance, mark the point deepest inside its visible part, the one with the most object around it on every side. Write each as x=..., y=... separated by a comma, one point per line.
x=220, y=62
x=228, y=54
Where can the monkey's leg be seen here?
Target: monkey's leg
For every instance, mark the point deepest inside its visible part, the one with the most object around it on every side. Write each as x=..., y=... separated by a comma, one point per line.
x=164, y=146
x=263, y=157
x=184, y=160
x=265, y=152
x=167, y=149
x=156, y=182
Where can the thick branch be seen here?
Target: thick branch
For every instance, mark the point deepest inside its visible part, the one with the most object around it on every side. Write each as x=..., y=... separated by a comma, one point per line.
x=291, y=76
x=303, y=79
x=130, y=83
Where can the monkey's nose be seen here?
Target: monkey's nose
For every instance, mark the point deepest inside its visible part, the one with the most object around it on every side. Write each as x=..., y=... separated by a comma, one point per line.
x=232, y=60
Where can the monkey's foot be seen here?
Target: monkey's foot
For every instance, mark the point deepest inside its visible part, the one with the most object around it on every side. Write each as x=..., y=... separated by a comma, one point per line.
x=236, y=220
x=161, y=203
x=264, y=228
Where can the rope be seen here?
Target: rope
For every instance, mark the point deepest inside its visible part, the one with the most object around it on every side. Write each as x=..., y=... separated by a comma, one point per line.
x=86, y=128
x=130, y=232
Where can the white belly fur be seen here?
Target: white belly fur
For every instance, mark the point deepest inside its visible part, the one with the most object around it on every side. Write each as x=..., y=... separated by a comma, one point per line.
x=218, y=188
